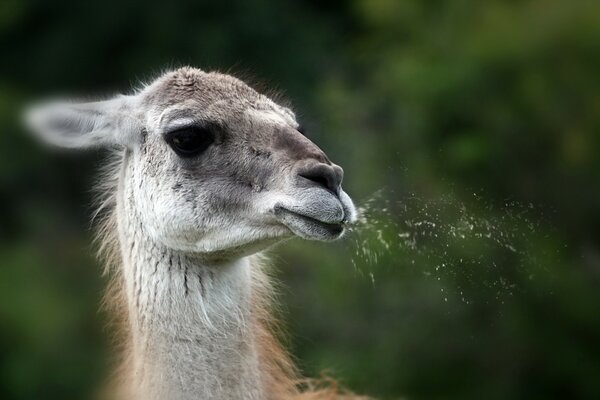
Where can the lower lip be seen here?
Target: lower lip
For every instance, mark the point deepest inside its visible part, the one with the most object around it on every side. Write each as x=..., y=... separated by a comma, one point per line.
x=333, y=229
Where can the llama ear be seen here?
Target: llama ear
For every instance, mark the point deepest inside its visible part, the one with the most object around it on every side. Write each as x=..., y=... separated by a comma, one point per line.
x=84, y=125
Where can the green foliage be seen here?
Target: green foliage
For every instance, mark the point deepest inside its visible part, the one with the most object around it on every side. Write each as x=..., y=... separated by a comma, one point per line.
x=463, y=113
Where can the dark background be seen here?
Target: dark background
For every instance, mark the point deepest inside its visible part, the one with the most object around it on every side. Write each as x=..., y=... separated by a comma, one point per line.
x=469, y=133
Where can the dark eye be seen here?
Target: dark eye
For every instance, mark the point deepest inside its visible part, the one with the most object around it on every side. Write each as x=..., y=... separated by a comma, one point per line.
x=189, y=142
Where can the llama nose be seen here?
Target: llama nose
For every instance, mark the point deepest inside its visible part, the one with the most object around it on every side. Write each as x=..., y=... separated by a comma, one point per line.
x=323, y=175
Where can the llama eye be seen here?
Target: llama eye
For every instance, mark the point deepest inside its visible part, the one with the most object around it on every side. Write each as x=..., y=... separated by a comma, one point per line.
x=188, y=142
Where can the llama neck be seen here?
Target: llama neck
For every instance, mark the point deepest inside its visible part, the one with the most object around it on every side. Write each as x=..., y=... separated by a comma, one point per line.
x=191, y=322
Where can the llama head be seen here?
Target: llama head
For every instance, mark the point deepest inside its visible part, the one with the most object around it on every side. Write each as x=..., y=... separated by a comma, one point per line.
x=211, y=166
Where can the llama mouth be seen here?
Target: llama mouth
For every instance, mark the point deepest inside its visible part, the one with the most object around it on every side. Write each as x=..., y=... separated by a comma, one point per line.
x=309, y=227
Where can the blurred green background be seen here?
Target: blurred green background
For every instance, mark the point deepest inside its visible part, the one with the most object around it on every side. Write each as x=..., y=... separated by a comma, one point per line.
x=477, y=275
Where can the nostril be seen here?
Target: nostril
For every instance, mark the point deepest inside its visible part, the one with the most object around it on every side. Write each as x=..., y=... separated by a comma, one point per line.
x=322, y=175
x=319, y=180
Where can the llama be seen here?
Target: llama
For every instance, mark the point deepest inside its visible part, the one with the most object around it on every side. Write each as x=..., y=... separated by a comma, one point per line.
x=207, y=174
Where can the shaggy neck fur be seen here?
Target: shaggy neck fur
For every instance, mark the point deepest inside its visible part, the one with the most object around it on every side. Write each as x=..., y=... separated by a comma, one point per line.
x=191, y=325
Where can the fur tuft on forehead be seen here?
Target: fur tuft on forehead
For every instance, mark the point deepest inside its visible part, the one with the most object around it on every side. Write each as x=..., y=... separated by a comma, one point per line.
x=187, y=82
x=186, y=76
x=207, y=89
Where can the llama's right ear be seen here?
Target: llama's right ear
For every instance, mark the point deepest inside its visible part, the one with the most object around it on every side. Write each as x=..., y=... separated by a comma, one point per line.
x=83, y=125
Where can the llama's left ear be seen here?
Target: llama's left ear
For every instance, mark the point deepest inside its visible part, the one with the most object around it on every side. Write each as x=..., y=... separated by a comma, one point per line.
x=83, y=125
